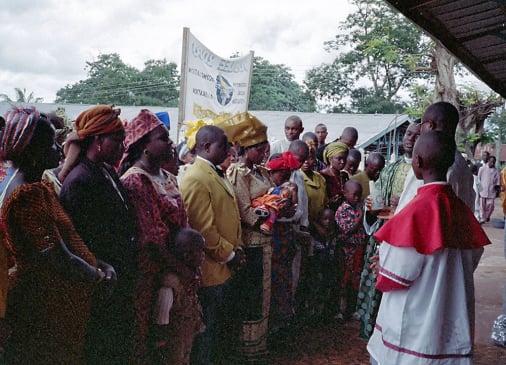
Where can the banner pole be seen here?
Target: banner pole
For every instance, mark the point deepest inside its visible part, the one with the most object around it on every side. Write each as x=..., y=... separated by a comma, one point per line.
x=252, y=53
x=182, y=82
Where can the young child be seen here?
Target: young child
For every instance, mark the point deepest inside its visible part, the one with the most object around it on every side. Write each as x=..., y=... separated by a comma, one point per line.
x=177, y=312
x=351, y=239
x=285, y=192
x=323, y=269
x=428, y=253
x=352, y=162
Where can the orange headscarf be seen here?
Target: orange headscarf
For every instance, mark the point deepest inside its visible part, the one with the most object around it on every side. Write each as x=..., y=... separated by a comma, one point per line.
x=100, y=119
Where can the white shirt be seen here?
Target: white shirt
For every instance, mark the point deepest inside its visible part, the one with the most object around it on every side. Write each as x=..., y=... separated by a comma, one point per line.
x=459, y=176
x=301, y=214
x=280, y=146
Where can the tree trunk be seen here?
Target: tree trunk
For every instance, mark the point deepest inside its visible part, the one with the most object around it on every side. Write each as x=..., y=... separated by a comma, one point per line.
x=446, y=89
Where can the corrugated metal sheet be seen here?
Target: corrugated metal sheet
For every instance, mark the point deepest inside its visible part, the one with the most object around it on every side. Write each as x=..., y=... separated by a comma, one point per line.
x=473, y=30
x=371, y=127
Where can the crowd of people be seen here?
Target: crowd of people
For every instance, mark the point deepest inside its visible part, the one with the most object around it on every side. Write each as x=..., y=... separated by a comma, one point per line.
x=110, y=254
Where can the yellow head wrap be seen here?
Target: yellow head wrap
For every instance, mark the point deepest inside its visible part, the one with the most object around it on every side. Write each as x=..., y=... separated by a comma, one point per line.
x=333, y=149
x=244, y=129
x=193, y=127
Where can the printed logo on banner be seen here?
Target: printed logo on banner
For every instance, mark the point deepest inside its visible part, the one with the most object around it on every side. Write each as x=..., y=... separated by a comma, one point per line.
x=212, y=87
x=224, y=90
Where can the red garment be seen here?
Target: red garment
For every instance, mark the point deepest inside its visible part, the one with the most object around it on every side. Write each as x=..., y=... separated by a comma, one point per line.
x=352, y=243
x=160, y=213
x=47, y=311
x=438, y=225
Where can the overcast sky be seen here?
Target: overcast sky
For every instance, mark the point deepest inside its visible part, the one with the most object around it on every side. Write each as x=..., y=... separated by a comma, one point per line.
x=46, y=43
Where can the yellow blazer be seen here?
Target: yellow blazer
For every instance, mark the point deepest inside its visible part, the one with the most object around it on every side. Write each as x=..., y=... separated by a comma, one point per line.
x=212, y=210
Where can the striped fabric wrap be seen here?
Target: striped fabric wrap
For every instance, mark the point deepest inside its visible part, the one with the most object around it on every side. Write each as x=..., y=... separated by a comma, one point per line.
x=19, y=127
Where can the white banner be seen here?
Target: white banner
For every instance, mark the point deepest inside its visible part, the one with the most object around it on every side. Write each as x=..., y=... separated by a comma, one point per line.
x=212, y=86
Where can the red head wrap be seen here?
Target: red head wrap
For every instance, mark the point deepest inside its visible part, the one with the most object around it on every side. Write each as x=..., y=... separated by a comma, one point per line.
x=286, y=161
x=141, y=125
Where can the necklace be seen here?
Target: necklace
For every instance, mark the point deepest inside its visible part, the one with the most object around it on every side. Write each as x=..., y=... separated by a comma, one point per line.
x=160, y=176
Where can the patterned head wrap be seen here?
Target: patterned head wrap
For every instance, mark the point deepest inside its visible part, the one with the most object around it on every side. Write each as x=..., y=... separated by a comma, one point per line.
x=141, y=125
x=244, y=129
x=333, y=149
x=287, y=161
x=20, y=125
x=100, y=119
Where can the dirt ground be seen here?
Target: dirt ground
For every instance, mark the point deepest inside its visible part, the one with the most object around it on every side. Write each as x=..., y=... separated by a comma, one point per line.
x=330, y=343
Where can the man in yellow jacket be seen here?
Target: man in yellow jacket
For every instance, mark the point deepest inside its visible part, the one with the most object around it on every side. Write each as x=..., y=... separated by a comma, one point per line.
x=212, y=209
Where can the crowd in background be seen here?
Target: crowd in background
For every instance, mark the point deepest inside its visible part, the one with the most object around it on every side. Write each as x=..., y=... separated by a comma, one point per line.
x=120, y=247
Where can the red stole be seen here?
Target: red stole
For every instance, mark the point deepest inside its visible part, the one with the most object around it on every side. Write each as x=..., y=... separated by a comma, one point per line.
x=436, y=218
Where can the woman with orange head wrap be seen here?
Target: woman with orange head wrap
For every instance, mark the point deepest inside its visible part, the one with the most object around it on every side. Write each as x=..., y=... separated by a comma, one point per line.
x=49, y=300
x=93, y=196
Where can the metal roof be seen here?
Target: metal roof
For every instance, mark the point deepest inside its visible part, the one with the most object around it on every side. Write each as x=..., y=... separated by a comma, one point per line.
x=370, y=127
x=473, y=30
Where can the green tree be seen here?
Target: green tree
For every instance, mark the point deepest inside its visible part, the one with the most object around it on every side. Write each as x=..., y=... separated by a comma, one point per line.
x=496, y=124
x=163, y=81
x=111, y=81
x=273, y=88
x=376, y=46
x=474, y=107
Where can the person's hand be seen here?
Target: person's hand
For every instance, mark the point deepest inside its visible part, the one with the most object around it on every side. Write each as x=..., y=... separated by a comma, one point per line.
x=239, y=259
x=368, y=202
x=286, y=210
x=374, y=264
x=110, y=273
x=108, y=284
x=394, y=201
x=335, y=198
x=360, y=217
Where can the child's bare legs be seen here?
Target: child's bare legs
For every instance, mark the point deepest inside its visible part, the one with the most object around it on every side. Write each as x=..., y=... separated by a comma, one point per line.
x=347, y=304
x=266, y=227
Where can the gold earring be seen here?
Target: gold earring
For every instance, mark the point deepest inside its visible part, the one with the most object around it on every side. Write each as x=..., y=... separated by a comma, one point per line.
x=99, y=148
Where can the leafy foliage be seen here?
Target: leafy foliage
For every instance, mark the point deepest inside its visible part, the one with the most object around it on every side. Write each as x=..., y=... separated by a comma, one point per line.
x=495, y=125
x=111, y=81
x=375, y=45
x=273, y=88
x=22, y=97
